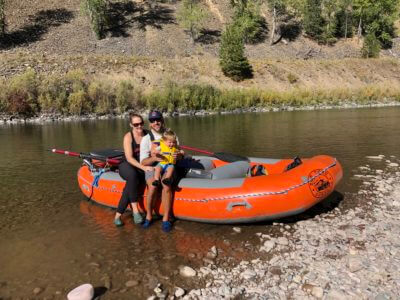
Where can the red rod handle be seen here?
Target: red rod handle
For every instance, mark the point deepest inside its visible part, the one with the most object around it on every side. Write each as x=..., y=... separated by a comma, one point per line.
x=196, y=150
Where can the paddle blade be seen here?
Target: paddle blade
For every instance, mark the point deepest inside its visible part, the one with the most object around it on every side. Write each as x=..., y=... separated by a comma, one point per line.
x=229, y=157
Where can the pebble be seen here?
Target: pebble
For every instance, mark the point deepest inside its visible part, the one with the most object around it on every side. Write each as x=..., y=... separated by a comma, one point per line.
x=269, y=245
x=186, y=271
x=237, y=229
x=179, y=292
x=37, y=290
x=131, y=283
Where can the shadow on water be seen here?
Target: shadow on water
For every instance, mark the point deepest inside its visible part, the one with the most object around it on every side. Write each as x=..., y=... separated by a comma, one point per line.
x=39, y=25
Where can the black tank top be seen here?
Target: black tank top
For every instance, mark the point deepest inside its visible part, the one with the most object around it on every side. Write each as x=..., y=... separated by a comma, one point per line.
x=135, y=148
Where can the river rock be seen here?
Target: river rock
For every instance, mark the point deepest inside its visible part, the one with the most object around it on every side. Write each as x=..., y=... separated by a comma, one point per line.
x=282, y=241
x=248, y=274
x=335, y=295
x=354, y=264
x=131, y=283
x=237, y=229
x=269, y=245
x=186, y=271
x=37, y=290
x=179, y=292
x=317, y=292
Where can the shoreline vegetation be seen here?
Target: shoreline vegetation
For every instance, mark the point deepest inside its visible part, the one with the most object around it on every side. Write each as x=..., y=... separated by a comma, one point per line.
x=34, y=95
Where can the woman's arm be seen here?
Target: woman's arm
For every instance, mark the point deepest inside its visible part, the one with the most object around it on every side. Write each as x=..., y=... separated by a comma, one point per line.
x=129, y=155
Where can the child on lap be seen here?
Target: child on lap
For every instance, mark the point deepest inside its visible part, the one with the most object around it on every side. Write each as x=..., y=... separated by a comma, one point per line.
x=167, y=148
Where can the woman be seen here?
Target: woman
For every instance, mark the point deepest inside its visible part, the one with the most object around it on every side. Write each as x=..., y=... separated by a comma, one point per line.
x=131, y=170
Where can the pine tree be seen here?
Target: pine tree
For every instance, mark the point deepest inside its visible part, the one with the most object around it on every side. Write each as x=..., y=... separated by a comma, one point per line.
x=371, y=47
x=313, y=21
x=97, y=12
x=232, y=59
x=191, y=17
x=2, y=17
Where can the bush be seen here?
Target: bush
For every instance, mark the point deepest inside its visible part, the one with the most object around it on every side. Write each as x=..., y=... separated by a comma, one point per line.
x=101, y=97
x=97, y=12
x=292, y=78
x=371, y=47
x=251, y=25
x=2, y=17
x=232, y=60
x=78, y=103
x=22, y=93
x=127, y=97
x=53, y=95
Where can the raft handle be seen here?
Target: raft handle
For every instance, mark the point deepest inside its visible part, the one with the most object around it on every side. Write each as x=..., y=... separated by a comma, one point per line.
x=231, y=205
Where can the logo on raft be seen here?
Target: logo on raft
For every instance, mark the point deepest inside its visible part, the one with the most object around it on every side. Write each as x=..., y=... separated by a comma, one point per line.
x=320, y=186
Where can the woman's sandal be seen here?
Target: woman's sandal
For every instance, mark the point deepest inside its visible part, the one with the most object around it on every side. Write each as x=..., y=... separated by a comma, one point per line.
x=166, y=226
x=118, y=222
x=137, y=218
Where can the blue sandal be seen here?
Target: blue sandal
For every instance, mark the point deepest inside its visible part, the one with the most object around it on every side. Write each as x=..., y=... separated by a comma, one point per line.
x=146, y=224
x=166, y=226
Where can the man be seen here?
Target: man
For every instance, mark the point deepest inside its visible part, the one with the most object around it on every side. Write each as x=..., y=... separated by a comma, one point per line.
x=148, y=158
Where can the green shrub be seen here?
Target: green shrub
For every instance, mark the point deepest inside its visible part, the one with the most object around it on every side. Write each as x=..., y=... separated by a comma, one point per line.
x=2, y=17
x=232, y=59
x=101, y=97
x=97, y=12
x=22, y=93
x=53, y=96
x=78, y=103
x=371, y=47
x=292, y=78
x=127, y=97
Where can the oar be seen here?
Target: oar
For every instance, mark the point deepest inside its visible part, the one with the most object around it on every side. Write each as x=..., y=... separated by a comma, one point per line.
x=110, y=161
x=228, y=157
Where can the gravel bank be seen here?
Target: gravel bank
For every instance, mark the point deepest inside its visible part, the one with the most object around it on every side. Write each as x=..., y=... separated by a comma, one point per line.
x=351, y=255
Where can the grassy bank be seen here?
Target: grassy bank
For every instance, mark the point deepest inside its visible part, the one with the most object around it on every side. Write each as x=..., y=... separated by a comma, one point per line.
x=76, y=93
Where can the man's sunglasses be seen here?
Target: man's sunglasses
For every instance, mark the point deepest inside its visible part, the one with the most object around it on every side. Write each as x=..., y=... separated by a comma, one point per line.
x=137, y=124
x=156, y=120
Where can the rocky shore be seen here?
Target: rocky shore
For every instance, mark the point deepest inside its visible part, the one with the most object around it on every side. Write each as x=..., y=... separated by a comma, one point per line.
x=46, y=118
x=336, y=255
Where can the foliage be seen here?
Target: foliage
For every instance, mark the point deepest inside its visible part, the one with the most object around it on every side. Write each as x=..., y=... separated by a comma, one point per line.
x=247, y=17
x=2, y=17
x=127, y=97
x=101, y=95
x=97, y=12
x=313, y=22
x=377, y=17
x=371, y=47
x=232, y=59
x=22, y=93
x=191, y=17
x=78, y=103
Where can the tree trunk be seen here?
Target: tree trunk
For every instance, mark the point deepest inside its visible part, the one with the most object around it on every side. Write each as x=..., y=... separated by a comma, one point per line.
x=359, y=32
x=273, y=26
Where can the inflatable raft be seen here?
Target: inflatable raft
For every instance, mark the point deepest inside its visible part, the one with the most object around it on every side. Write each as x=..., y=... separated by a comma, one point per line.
x=214, y=191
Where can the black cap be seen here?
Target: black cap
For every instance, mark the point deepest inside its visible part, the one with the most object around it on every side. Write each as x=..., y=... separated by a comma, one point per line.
x=155, y=114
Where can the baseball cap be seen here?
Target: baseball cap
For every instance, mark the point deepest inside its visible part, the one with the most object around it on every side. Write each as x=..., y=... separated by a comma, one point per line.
x=155, y=114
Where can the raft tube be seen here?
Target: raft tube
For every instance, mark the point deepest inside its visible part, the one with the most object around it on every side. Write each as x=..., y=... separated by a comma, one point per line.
x=228, y=192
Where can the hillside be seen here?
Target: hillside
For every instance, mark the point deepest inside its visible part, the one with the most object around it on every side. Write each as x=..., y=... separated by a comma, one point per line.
x=147, y=45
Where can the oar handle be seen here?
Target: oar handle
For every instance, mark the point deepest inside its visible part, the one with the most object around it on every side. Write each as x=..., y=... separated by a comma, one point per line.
x=110, y=161
x=196, y=150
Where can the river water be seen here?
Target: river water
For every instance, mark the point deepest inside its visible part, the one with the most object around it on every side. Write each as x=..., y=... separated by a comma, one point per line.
x=52, y=239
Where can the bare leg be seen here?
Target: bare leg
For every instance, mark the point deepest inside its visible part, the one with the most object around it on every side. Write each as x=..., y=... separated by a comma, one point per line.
x=166, y=198
x=167, y=178
x=151, y=191
x=157, y=176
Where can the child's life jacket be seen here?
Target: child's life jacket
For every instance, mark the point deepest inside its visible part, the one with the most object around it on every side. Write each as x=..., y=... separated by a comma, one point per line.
x=167, y=152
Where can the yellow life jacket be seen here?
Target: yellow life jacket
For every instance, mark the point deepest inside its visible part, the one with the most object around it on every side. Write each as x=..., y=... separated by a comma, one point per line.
x=167, y=152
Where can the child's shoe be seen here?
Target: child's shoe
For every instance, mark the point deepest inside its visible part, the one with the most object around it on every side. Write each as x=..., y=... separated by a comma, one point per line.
x=137, y=218
x=167, y=181
x=166, y=226
x=118, y=222
x=156, y=182
x=146, y=224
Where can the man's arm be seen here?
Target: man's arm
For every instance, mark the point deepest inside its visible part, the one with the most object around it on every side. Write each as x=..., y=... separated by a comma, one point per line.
x=145, y=150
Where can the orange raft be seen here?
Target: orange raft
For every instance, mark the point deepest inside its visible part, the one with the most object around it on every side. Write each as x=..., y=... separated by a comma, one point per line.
x=231, y=192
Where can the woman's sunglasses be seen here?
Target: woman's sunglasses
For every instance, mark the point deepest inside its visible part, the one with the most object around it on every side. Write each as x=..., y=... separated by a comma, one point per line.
x=137, y=124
